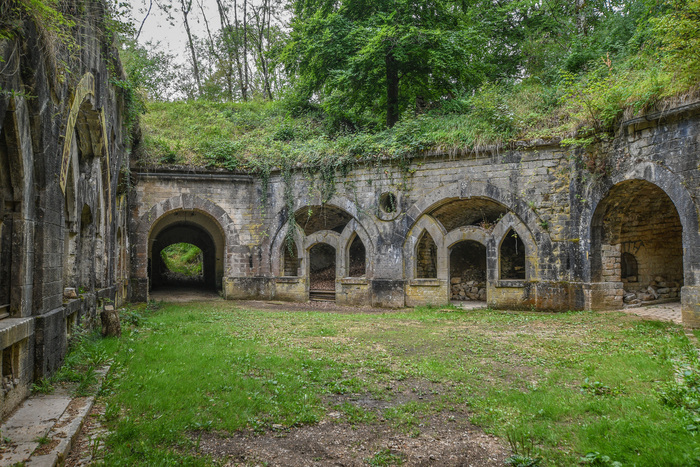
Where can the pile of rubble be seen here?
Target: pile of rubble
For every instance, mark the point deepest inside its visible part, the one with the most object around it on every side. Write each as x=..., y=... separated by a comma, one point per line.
x=464, y=290
x=658, y=289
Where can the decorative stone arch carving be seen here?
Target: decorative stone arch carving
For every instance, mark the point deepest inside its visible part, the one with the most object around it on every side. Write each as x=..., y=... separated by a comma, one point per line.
x=278, y=246
x=323, y=236
x=523, y=216
x=364, y=219
x=184, y=203
x=91, y=124
x=481, y=189
x=508, y=222
x=674, y=187
x=346, y=238
x=366, y=230
x=425, y=224
x=467, y=233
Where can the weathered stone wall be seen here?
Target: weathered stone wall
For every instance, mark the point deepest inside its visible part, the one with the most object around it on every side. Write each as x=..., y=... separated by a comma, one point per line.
x=61, y=150
x=553, y=232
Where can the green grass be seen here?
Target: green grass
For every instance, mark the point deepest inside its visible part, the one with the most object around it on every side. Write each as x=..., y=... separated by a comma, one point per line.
x=569, y=384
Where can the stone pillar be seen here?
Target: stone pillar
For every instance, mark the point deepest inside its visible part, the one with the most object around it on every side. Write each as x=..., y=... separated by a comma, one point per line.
x=139, y=289
x=690, y=306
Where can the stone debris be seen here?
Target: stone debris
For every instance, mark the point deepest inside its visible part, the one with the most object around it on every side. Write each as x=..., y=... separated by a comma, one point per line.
x=464, y=290
x=657, y=289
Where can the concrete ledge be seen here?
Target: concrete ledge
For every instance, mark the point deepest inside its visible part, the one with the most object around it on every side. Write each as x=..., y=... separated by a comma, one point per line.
x=511, y=283
x=287, y=280
x=354, y=281
x=13, y=330
x=690, y=306
x=426, y=282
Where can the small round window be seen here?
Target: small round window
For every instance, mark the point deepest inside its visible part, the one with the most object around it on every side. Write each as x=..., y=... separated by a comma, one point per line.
x=388, y=203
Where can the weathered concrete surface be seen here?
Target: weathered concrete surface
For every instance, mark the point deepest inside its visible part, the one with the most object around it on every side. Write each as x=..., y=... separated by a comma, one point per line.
x=55, y=418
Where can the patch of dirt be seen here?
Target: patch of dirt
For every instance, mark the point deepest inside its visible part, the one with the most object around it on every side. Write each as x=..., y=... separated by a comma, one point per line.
x=90, y=440
x=184, y=294
x=46, y=448
x=330, y=307
x=445, y=439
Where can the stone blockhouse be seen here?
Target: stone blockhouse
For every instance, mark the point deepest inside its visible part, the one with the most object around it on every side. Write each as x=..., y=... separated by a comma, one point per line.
x=63, y=210
x=525, y=227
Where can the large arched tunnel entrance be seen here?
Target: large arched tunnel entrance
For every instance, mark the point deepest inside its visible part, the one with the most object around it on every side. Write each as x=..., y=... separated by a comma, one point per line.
x=199, y=231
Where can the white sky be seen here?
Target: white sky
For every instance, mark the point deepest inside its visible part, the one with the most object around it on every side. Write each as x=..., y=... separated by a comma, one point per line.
x=172, y=37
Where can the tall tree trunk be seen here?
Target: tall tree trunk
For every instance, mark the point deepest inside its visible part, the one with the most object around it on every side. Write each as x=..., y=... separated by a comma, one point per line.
x=213, y=51
x=392, y=91
x=186, y=7
x=244, y=89
x=260, y=16
x=245, y=44
x=226, y=35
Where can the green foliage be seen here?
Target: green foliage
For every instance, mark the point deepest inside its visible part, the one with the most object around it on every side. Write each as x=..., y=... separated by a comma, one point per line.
x=376, y=58
x=383, y=458
x=678, y=31
x=183, y=258
x=43, y=386
x=598, y=459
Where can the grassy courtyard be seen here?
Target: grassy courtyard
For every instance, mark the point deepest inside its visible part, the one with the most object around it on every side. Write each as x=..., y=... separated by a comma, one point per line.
x=553, y=386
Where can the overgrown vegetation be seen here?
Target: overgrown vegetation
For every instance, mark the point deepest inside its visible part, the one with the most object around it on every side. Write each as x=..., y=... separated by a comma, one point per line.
x=573, y=73
x=87, y=352
x=534, y=379
x=183, y=258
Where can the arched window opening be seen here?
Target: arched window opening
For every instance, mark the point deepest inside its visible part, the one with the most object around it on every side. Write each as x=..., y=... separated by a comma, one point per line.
x=512, y=256
x=357, y=258
x=628, y=267
x=70, y=232
x=426, y=258
x=322, y=267
x=290, y=259
x=468, y=271
x=87, y=250
x=183, y=265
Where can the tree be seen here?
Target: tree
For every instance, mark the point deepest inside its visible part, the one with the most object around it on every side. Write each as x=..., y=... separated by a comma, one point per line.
x=358, y=55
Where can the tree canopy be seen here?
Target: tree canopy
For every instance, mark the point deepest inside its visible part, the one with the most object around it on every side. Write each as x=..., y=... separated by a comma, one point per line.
x=384, y=56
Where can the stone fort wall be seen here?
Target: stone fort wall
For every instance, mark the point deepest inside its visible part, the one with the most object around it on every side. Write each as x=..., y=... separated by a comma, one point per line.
x=63, y=210
x=551, y=232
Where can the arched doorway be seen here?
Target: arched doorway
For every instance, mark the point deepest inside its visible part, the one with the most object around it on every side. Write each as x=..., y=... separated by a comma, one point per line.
x=322, y=272
x=186, y=227
x=637, y=245
x=468, y=271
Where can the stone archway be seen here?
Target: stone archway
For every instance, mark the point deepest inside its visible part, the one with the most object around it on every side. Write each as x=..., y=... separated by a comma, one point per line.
x=193, y=215
x=636, y=246
x=188, y=226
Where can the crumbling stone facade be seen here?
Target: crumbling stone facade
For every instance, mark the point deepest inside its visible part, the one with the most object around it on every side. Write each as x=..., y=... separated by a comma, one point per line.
x=520, y=228
x=523, y=227
x=63, y=224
